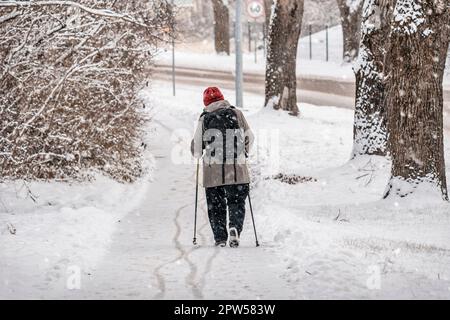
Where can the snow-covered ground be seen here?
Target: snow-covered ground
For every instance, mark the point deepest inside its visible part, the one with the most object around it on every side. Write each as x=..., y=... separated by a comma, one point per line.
x=201, y=56
x=331, y=237
x=50, y=230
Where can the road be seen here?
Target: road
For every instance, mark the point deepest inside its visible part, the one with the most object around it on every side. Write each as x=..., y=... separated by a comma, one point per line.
x=319, y=91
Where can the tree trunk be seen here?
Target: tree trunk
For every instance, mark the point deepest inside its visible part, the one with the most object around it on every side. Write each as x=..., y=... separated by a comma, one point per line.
x=284, y=32
x=351, y=11
x=267, y=12
x=415, y=64
x=221, y=27
x=369, y=129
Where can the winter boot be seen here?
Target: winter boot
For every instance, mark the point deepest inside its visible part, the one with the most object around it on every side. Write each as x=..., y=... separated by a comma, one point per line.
x=221, y=244
x=234, y=238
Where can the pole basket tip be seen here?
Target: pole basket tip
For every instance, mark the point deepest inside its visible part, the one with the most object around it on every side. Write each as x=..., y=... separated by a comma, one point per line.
x=257, y=244
x=194, y=242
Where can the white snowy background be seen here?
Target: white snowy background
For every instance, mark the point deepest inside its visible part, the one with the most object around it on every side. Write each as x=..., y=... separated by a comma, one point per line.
x=332, y=237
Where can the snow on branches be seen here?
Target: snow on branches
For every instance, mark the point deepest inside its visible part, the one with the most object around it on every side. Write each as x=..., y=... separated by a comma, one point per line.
x=408, y=16
x=69, y=77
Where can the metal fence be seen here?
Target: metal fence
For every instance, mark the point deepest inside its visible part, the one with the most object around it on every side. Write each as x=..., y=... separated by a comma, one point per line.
x=326, y=44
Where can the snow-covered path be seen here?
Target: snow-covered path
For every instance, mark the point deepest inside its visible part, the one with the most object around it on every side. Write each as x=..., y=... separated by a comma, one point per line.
x=151, y=255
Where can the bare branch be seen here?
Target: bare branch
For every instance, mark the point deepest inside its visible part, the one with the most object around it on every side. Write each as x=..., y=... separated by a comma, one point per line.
x=93, y=11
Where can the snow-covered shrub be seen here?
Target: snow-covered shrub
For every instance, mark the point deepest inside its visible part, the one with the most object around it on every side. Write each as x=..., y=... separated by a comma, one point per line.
x=70, y=72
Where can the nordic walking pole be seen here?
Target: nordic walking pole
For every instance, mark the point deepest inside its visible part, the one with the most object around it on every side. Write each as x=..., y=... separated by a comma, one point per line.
x=253, y=219
x=194, y=241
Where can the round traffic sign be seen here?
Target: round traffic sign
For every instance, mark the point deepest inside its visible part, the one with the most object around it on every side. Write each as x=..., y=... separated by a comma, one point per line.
x=255, y=9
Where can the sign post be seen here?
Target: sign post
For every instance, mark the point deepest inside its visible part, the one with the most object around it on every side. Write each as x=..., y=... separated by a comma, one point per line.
x=173, y=59
x=173, y=49
x=177, y=3
x=238, y=46
x=253, y=6
x=255, y=10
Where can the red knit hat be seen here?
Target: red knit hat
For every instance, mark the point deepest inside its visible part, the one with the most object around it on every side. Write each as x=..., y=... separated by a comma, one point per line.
x=212, y=94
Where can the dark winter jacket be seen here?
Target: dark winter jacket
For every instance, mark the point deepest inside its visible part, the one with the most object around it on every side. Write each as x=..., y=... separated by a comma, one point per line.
x=234, y=173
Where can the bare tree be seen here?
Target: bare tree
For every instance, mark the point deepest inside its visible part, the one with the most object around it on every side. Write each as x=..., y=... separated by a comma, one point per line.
x=415, y=63
x=70, y=73
x=221, y=27
x=284, y=32
x=351, y=21
x=369, y=130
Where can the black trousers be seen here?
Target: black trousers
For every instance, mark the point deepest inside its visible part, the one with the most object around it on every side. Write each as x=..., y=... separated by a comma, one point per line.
x=218, y=199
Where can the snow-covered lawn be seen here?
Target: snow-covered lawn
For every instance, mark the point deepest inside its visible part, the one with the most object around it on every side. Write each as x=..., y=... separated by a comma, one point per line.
x=190, y=56
x=50, y=230
x=331, y=237
x=335, y=236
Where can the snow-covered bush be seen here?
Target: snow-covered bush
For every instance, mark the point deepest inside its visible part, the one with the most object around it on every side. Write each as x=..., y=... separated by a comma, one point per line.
x=70, y=72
